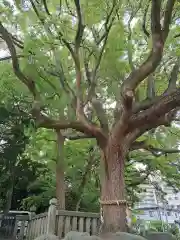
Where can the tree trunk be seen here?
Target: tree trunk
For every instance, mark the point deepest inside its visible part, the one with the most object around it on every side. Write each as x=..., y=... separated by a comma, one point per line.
x=60, y=183
x=87, y=172
x=78, y=203
x=113, y=188
x=9, y=196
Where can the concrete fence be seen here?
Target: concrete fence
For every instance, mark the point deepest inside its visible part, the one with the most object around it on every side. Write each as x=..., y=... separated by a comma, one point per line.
x=13, y=227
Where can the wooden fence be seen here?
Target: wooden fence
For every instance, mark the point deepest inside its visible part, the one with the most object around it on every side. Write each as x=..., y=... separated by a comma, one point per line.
x=67, y=221
x=37, y=226
x=60, y=222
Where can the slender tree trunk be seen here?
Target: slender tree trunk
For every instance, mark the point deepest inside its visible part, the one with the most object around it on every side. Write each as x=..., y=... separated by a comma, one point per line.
x=113, y=189
x=9, y=196
x=87, y=172
x=60, y=183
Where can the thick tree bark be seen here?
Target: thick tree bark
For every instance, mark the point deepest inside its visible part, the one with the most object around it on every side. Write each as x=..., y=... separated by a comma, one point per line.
x=60, y=184
x=113, y=189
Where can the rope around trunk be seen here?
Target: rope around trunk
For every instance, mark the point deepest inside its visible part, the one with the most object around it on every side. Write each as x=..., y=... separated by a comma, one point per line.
x=113, y=202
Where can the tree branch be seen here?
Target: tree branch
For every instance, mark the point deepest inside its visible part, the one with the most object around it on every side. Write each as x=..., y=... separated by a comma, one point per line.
x=141, y=179
x=101, y=114
x=27, y=81
x=91, y=92
x=10, y=57
x=138, y=75
x=164, y=105
x=147, y=103
x=144, y=21
x=36, y=11
x=130, y=58
x=80, y=30
x=63, y=81
x=46, y=79
x=15, y=39
x=105, y=37
x=78, y=39
x=69, y=9
x=157, y=152
x=85, y=174
x=46, y=7
x=168, y=17
x=87, y=127
x=173, y=77
x=130, y=45
x=72, y=137
x=177, y=35
x=107, y=25
x=60, y=37
x=75, y=54
x=77, y=136
x=59, y=73
x=17, y=42
x=150, y=87
x=107, y=22
x=44, y=121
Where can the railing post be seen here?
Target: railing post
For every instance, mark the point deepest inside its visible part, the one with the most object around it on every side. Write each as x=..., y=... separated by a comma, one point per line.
x=33, y=212
x=15, y=228
x=51, y=221
x=20, y=223
x=29, y=231
x=22, y=227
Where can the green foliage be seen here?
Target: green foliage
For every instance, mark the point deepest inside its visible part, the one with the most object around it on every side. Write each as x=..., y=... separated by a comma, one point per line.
x=42, y=147
x=76, y=157
x=16, y=169
x=158, y=226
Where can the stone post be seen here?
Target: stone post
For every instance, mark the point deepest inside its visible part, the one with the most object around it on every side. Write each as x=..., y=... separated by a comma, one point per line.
x=33, y=212
x=51, y=221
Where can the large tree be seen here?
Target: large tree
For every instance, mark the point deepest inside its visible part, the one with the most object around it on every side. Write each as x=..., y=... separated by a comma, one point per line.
x=85, y=46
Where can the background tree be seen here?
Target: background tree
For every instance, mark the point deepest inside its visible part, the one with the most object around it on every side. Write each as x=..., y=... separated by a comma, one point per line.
x=103, y=85
x=16, y=169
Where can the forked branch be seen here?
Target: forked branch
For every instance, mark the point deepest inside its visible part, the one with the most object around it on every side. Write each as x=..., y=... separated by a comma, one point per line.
x=43, y=120
x=158, y=39
x=172, y=85
x=102, y=40
x=49, y=32
x=163, y=106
